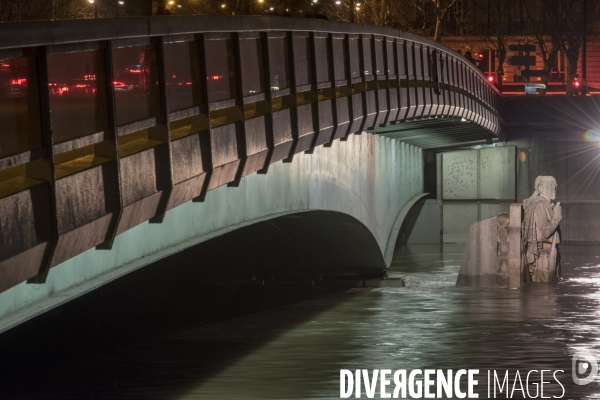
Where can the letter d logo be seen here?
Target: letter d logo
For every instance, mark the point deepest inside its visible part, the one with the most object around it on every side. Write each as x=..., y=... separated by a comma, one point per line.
x=584, y=363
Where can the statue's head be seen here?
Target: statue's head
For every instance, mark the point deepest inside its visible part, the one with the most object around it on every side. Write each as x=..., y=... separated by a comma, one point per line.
x=546, y=186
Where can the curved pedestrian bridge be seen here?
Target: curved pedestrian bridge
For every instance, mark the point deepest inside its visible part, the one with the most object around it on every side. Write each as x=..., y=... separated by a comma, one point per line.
x=110, y=127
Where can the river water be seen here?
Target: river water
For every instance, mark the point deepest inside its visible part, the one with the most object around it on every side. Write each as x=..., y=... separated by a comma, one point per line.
x=297, y=349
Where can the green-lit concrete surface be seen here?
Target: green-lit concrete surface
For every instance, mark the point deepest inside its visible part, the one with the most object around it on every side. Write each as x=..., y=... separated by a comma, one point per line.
x=370, y=178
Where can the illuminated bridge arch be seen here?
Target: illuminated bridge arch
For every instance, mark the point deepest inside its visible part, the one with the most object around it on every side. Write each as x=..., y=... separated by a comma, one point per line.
x=108, y=124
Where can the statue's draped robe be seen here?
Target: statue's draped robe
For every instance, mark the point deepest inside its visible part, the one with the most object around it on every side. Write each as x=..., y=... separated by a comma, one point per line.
x=540, y=258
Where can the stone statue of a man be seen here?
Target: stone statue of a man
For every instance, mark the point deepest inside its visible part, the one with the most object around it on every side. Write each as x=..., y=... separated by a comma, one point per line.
x=541, y=234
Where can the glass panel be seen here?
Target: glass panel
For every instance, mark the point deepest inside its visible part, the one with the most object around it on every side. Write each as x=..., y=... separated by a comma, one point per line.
x=77, y=109
x=457, y=72
x=253, y=76
x=379, y=67
x=220, y=70
x=446, y=66
x=322, y=56
x=135, y=82
x=182, y=75
x=279, y=57
x=418, y=57
x=368, y=61
x=339, y=55
x=410, y=71
x=19, y=107
x=391, y=65
x=426, y=66
x=401, y=49
x=471, y=77
x=302, y=60
x=354, y=58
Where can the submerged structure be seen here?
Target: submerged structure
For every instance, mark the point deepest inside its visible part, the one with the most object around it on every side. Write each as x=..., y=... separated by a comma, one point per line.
x=512, y=248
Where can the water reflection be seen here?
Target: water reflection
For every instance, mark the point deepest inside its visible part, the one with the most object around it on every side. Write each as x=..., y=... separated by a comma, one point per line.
x=167, y=339
x=428, y=324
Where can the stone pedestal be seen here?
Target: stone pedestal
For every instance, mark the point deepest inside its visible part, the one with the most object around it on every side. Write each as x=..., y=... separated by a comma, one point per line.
x=493, y=251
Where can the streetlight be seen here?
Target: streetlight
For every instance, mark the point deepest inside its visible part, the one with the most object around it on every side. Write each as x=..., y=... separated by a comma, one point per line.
x=95, y=7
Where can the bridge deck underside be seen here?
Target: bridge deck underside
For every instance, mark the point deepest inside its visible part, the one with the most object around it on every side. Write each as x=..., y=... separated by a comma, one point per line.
x=437, y=133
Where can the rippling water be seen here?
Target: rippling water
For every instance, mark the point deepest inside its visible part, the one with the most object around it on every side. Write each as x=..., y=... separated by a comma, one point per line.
x=428, y=324
x=297, y=350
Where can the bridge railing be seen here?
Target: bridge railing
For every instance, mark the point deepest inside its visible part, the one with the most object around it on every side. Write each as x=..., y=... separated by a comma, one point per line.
x=106, y=124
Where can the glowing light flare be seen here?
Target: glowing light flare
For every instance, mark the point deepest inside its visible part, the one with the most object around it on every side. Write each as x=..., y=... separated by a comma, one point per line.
x=576, y=83
x=592, y=136
x=522, y=156
x=491, y=78
x=19, y=82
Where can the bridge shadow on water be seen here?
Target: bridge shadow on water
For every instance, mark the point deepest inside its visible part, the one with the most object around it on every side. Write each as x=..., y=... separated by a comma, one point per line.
x=133, y=338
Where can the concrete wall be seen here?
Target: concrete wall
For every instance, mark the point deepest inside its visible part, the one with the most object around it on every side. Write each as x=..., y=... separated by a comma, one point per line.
x=473, y=185
x=475, y=190
x=371, y=178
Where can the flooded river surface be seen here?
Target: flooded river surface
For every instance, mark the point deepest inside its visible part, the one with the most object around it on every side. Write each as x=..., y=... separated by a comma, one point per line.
x=128, y=349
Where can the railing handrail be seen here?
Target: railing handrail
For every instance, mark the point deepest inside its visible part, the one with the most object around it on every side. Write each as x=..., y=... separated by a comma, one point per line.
x=18, y=35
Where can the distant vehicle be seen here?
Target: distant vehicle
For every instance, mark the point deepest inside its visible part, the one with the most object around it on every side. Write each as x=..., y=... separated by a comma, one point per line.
x=121, y=87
